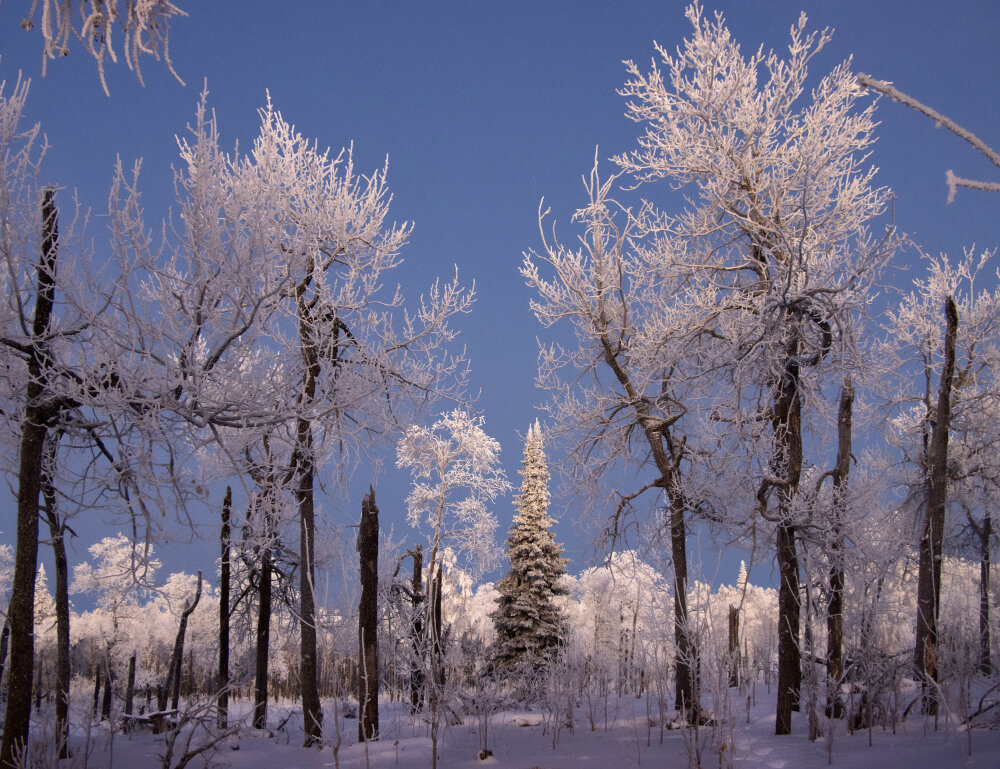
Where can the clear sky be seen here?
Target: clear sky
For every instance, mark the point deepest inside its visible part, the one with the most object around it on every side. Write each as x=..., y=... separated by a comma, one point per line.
x=483, y=109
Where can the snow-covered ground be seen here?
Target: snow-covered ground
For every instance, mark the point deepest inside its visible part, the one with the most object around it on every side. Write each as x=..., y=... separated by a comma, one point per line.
x=624, y=735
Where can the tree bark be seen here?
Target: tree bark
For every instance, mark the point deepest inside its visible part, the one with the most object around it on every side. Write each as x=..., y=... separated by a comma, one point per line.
x=311, y=709
x=173, y=685
x=130, y=685
x=224, y=578
x=108, y=686
x=97, y=687
x=4, y=641
x=368, y=669
x=263, y=638
x=57, y=531
x=787, y=467
x=34, y=427
x=437, y=626
x=417, y=633
x=932, y=533
x=734, y=646
x=835, y=608
x=685, y=658
x=986, y=533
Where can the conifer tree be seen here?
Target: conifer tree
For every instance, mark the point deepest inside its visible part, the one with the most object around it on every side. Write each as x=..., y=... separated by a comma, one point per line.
x=527, y=620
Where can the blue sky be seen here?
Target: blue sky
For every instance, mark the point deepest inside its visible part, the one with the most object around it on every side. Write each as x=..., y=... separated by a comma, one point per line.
x=482, y=109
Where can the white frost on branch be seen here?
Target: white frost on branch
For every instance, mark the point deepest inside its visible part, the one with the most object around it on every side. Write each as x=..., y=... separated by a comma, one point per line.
x=143, y=24
x=951, y=179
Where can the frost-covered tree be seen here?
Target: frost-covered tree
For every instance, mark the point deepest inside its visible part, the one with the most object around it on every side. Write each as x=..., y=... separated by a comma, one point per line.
x=266, y=314
x=528, y=622
x=948, y=437
x=456, y=476
x=51, y=320
x=774, y=249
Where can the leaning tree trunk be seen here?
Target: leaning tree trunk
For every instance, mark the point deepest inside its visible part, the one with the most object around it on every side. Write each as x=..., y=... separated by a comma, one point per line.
x=368, y=621
x=34, y=427
x=835, y=607
x=57, y=532
x=222, y=715
x=932, y=533
x=173, y=685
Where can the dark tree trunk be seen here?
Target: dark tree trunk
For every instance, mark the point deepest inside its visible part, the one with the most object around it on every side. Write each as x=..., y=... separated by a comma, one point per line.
x=685, y=658
x=417, y=635
x=263, y=639
x=932, y=533
x=34, y=427
x=130, y=685
x=437, y=626
x=4, y=640
x=172, y=689
x=312, y=712
x=224, y=578
x=986, y=533
x=835, y=608
x=368, y=683
x=787, y=467
x=97, y=687
x=311, y=709
x=108, y=686
x=789, y=657
x=57, y=532
x=734, y=646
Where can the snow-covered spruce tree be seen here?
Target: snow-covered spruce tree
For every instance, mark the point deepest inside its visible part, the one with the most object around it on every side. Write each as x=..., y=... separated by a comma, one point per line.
x=528, y=622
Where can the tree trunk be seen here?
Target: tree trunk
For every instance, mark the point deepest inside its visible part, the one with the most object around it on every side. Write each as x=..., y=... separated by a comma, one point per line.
x=130, y=685
x=311, y=709
x=932, y=533
x=34, y=427
x=368, y=683
x=312, y=712
x=789, y=657
x=173, y=684
x=224, y=578
x=57, y=532
x=417, y=633
x=985, y=661
x=787, y=467
x=108, y=686
x=4, y=640
x=835, y=608
x=97, y=687
x=437, y=626
x=734, y=646
x=685, y=657
x=263, y=639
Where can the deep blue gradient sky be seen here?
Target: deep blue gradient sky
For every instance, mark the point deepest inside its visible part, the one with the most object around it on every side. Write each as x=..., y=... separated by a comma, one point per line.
x=484, y=108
